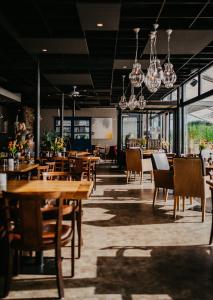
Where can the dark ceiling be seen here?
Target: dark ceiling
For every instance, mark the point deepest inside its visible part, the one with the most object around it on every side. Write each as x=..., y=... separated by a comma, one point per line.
x=79, y=53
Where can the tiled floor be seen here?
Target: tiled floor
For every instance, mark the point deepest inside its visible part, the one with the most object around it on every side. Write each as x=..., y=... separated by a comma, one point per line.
x=131, y=251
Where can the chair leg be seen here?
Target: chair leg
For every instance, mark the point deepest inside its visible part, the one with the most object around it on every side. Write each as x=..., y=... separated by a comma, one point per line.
x=191, y=200
x=184, y=203
x=203, y=201
x=140, y=177
x=166, y=195
x=178, y=203
x=79, y=218
x=59, y=276
x=73, y=245
x=151, y=173
x=175, y=206
x=155, y=195
x=127, y=177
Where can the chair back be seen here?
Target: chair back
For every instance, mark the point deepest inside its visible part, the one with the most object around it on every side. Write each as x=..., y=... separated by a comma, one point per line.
x=160, y=161
x=188, y=177
x=30, y=220
x=133, y=160
x=57, y=175
x=51, y=166
x=40, y=170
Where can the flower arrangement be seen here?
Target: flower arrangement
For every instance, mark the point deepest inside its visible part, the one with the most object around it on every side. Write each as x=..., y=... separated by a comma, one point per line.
x=58, y=144
x=12, y=147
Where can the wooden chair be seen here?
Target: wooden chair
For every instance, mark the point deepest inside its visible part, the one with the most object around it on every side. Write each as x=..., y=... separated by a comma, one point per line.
x=163, y=176
x=40, y=170
x=80, y=169
x=33, y=234
x=51, y=166
x=190, y=181
x=69, y=206
x=57, y=175
x=135, y=163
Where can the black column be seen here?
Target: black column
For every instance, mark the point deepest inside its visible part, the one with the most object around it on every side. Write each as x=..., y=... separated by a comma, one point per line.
x=62, y=116
x=38, y=112
x=119, y=139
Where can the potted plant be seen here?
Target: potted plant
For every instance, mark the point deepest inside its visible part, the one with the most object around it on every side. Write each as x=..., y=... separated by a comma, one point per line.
x=58, y=146
x=12, y=149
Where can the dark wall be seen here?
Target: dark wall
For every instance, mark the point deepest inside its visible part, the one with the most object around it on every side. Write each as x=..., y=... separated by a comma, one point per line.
x=8, y=113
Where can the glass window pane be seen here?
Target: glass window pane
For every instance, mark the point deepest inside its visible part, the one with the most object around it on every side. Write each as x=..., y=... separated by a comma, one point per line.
x=130, y=128
x=207, y=80
x=191, y=89
x=198, y=121
x=171, y=132
x=174, y=95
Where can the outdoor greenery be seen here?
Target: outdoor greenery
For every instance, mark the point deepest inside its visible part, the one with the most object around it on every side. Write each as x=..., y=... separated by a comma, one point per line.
x=198, y=130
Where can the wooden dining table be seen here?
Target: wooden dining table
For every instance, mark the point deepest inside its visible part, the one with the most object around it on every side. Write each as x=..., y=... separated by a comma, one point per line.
x=19, y=169
x=75, y=190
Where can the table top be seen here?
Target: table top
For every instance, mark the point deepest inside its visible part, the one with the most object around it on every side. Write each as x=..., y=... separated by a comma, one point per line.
x=78, y=153
x=76, y=190
x=19, y=169
x=91, y=158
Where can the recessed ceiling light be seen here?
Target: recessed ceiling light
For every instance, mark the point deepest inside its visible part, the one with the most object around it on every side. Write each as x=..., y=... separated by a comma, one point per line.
x=44, y=50
x=124, y=67
x=100, y=24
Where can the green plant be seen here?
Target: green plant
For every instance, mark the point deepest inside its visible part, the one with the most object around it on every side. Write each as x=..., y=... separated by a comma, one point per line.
x=47, y=140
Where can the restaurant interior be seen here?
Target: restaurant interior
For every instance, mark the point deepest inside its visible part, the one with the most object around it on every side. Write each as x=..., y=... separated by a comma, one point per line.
x=106, y=149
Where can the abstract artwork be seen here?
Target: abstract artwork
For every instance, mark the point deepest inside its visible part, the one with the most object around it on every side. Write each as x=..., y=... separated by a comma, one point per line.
x=102, y=128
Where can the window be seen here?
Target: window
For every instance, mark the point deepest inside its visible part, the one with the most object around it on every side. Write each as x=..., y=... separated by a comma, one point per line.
x=207, y=80
x=198, y=125
x=130, y=128
x=171, y=132
x=191, y=89
x=174, y=95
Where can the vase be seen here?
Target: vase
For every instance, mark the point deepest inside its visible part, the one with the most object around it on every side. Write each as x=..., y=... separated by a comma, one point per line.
x=11, y=164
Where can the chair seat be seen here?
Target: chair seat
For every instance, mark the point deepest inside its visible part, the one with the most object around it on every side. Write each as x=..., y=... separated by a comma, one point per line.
x=50, y=209
x=48, y=235
x=49, y=230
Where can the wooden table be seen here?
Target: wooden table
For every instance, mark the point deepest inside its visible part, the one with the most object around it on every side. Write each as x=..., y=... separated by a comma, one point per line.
x=78, y=153
x=210, y=183
x=19, y=169
x=75, y=190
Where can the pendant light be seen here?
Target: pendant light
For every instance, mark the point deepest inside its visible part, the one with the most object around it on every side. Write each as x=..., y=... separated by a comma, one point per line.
x=123, y=102
x=141, y=101
x=132, y=104
x=154, y=72
x=169, y=74
x=136, y=76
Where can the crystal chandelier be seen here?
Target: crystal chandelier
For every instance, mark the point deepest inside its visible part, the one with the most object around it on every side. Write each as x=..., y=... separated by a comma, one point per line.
x=132, y=104
x=154, y=74
x=123, y=102
x=169, y=74
x=141, y=101
x=136, y=76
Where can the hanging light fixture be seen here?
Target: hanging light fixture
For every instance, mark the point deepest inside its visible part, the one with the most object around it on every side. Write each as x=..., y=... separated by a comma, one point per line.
x=169, y=74
x=154, y=74
x=123, y=102
x=136, y=76
x=132, y=104
x=141, y=101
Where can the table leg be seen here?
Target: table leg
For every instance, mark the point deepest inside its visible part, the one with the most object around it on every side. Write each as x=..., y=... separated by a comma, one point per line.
x=40, y=259
x=79, y=227
x=211, y=234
